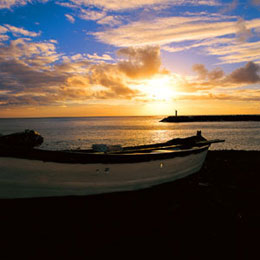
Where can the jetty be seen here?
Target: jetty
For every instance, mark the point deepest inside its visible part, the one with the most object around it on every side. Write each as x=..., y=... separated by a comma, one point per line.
x=210, y=118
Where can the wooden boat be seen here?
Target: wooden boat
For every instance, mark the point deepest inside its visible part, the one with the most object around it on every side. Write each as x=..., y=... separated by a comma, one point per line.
x=30, y=172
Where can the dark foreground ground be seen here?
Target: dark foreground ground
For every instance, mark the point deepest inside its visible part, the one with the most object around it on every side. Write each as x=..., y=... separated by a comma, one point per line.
x=214, y=215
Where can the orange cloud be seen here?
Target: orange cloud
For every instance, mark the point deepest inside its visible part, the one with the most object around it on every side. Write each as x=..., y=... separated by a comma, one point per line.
x=216, y=80
x=38, y=54
x=76, y=79
x=141, y=62
x=58, y=80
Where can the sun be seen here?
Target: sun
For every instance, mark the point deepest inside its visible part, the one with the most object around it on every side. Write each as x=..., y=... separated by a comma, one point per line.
x=160, y=88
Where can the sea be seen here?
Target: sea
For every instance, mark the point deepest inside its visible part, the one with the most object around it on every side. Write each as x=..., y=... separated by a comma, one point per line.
x=82, y=132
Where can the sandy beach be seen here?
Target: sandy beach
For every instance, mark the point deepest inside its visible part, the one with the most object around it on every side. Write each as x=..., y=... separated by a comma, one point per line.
x=214, y=214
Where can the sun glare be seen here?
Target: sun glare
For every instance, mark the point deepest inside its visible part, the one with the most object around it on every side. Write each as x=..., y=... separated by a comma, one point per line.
x=160, y=89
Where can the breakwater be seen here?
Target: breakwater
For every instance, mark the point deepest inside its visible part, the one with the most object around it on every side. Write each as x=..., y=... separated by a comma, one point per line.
x=211, y=118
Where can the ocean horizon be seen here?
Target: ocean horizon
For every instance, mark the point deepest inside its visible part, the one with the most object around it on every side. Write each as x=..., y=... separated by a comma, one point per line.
x=116, y=116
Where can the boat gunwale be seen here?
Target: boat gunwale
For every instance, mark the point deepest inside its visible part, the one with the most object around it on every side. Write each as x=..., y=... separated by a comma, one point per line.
x=102, y=158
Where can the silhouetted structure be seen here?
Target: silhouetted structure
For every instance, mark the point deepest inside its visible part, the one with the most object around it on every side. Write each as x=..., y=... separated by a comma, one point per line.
x=210, y=118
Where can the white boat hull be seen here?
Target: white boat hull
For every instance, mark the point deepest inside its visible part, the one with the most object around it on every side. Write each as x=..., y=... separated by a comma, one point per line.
x=23, y=178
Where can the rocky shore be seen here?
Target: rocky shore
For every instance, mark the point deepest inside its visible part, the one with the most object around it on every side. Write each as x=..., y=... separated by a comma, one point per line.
x=212, y=215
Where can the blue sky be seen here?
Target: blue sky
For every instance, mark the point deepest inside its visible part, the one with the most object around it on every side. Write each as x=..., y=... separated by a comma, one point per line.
x=100, y=57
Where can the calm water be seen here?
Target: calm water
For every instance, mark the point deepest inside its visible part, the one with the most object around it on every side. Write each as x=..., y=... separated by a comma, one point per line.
x=70, y=133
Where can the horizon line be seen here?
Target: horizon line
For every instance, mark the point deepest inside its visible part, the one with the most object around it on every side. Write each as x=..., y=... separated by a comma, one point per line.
x=45, y=117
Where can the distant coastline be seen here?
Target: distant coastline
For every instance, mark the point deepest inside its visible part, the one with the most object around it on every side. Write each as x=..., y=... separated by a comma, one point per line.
x=210, y=118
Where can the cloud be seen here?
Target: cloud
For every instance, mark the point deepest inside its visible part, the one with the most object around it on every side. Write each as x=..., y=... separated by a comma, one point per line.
x=204, y=74
x=219, y=35
x=201, y=70
x=25, y=100
x=114, y=5
x=33, y=73
x=238, y=86
x=236, y=52
x=110, y=20
x=217, y=79
x=10, y=3
x=211, y=42
x=26, y=67
x=70, y=18
x=3, y=29
x=7, y=4
x=91, y=14
x=137, y=63
x=3, y=38
x=243, y=32
x=166, y=30
x=230, y=6
x=97, y=57
x=141, y=62
x=76, y=57
x=16, y=31
x=216, y=74
x=72, y=67
x=103, y=11
x=37, y=54
x=54, y=79
x=251, y=96
x=26, y=86
x=112, y=80
x=255, y=2
x=250, y=73
x=68, y=5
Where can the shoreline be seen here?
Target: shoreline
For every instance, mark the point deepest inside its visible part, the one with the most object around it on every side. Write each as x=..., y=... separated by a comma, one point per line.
x=208, y=215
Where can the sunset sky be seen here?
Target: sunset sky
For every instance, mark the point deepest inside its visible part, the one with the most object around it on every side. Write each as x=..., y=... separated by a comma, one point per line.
x=129, y=57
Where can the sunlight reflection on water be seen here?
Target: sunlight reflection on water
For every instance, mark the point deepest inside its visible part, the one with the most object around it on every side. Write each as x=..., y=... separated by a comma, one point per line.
x=71, y=133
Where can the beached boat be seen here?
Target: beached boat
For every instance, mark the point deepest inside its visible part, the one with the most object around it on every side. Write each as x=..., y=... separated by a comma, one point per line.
x=30, y=172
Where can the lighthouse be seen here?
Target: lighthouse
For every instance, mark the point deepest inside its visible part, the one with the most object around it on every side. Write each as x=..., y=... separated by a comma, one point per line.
x=176, y=113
